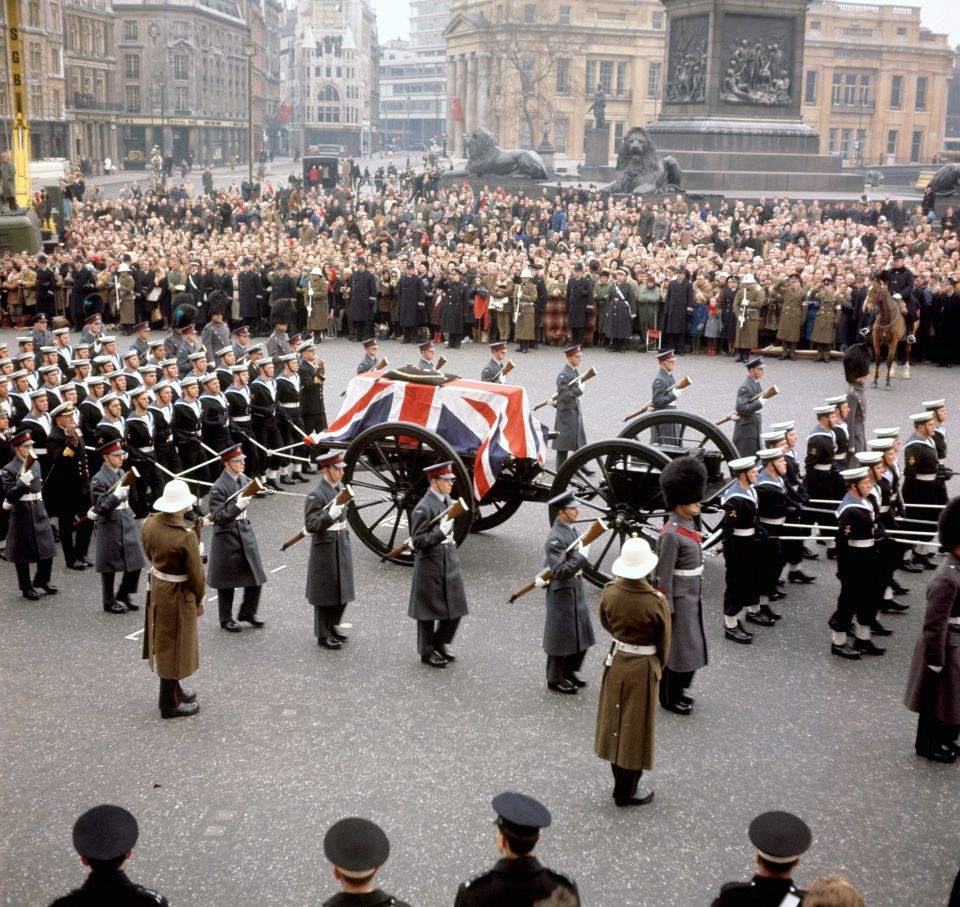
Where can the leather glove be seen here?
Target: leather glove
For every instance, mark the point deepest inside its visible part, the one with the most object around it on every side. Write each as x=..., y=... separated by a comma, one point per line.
x=583, y=549
x=336, y=511
x=446, y=525
x=25, y=479
x=935, y=668
x=242, y=502
x=121, y=494
x=540, y=582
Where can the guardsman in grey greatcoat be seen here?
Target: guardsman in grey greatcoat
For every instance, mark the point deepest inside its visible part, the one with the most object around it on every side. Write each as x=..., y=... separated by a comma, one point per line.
x=330, y=568
x=369, y=359
x=427, y=354
x=664, y=395
x=569, y=421
x=118, y=537
x=234, y=561
x=29, y=536
x=856, y=368
x=680, y=574
x=493, y=370
x=567, y=628
x=746, y=430
x=438, y=600
x=933, y=687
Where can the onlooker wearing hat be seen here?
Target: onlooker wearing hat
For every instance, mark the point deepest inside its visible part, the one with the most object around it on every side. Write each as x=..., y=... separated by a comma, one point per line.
x=234, y=558
x=740, y=549
x=568, y=422
x=282, y=315
x=438, y=600
x=68, y=486
x=747, y=305
x=363, y=301
x=105, y=836
x=413, y=300
x=637, y=616
x=175, y=602
x=314, y=290
x=678, y=299
x=781, y=839
x=579, y=301
x=746, y=430
x=357, y=848
x=29, y=536
x=567, y=630
x=680, y=579
x=118, y=540
x=518, y=878
x=946, y=322
x=788, y=294
x=933, y=685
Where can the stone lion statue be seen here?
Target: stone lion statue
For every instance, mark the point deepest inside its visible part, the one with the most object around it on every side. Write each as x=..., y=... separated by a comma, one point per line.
x=946, y=181
x=640, y=170
x=486, y=158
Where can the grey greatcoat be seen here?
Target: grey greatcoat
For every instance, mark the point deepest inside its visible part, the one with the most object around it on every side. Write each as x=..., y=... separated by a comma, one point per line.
x=929, y=692
x=567, y=628
x=680, y=549
x=330, y=567
x=633, y=612
x=857, y=420
x=663, y=396
x=746, y=430
x=437, y=591
x=118, y=537
x=493, y=372
x=29, y=536
x=234, y=561
x=569, y=422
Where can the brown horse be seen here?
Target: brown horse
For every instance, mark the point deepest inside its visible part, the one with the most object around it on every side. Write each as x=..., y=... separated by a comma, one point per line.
x=888, y=329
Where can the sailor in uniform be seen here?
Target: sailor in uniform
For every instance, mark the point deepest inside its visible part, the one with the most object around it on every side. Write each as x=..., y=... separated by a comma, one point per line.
x=740, y=550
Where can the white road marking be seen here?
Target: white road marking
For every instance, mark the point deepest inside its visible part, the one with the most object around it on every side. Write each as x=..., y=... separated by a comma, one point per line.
x=134, y=635
x=278, y=569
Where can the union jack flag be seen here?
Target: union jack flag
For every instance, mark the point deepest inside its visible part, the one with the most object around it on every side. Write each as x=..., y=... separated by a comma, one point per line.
x=484, y=422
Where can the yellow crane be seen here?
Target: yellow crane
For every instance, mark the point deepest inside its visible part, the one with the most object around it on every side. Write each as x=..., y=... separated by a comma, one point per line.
x=20, y=125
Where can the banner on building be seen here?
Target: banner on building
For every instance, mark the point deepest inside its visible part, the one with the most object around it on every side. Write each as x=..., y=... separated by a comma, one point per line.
x=457, y=108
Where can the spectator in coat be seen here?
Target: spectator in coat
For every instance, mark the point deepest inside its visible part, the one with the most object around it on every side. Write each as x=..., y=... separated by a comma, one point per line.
x=677, y=303
x=363, y=301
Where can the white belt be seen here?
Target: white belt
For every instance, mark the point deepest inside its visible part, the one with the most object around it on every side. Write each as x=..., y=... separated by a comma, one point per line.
x=289, y=405
x=955, y=621
x=840, y=456
x=744, y=532
x=241, y=418
x=123, y=505
x=145, y=449
x=169, y=577
x=773, y=521
x=696, y=572
x=635, y=650
x=860, y=543
x=941, y=459
x=823, y=466
x=449, y=542
x=39, y=451
x=926, y=477
x=35, y=496
x=884, y=508
x=336, y=527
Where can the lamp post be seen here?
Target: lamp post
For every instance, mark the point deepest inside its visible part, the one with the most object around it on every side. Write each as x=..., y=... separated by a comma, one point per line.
x=249, y=51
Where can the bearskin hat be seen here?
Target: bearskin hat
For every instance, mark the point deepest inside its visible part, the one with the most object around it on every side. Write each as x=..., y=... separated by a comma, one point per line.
x=185, y=314
x=281, y=312
x=683, y=481
x=949, y=525
x=217, y=303
x=856, y=362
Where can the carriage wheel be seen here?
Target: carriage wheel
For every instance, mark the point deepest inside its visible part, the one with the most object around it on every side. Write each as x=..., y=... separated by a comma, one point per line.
x=503, y=500
x=385, y=469
x=617, y=481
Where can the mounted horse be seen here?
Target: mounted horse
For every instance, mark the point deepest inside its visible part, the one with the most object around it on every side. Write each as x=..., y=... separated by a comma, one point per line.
x=888, y=329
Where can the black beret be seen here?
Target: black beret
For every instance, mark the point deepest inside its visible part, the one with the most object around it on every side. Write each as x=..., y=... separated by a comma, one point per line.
x=683, y=481
x=105, y=833
x=356, y=846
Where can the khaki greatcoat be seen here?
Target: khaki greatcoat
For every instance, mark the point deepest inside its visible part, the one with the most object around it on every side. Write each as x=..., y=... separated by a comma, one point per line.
x=791, y=312
x=170, y=619
x=752, y=297
x=825, y=324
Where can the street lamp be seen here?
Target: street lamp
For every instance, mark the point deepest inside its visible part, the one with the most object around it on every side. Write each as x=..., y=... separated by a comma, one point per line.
x=249, y=51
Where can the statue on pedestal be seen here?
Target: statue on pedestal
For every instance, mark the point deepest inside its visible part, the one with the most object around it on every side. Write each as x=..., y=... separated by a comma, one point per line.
x=486, y=158
x=946, y=181
x=640, y=170
x=598, y=108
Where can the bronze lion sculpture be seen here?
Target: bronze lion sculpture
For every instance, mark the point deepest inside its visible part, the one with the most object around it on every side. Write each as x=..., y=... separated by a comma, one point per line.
x=946, y=181
x=640, y=170
x=486, y=158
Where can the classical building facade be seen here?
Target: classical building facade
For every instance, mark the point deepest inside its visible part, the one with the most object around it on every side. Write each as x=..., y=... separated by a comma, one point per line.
x=875, y=82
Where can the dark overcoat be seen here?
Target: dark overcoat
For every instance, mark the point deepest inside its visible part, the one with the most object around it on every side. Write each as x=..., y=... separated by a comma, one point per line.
x=569, y=421
x=680, y=548
x=619, y=323
x=118, y=539
x=249, y=293
x=437, y=592
x=567, y=628
x=633, y=612
x=234, y=561
x=579, y=301
x=679, y=298
x=363, y=296
x=412, y=301
x=330, y=567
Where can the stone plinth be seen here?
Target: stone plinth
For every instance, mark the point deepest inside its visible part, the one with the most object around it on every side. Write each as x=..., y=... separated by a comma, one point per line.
x=546, y=151
x=597, y=147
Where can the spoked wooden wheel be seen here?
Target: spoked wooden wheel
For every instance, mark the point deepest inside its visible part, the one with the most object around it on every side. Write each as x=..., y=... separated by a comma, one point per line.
x=385, y=469
x=503, y=500
x=619, y=482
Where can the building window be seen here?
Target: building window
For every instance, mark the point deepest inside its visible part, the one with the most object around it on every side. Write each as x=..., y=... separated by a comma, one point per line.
x=55, y=60
x=921, y=103
x=860, y=145
x=850, y=89
x=654, y=73
x=564, y=15
x=656, y=20
x=606, y=75
x=33, y=14
x=832, y=142
x=131, y=99
x=181, y=66
x=130, y=32
x=836, y=89
x=892, y=137
x=181, y=99
x=916, y=144
x=560, y=128
x=810, y=87
x=864, y=90
x=36, y=58
x=591, y=79
x=57, y=110
x=815, y=26
x=617, y=136
x=846, y=135
x=131, y=66
x=901, y=31
x=563, y=76
x=896, y=92
x=527, y=73
x=621, y=78
x=328, y=108
x=529, y=12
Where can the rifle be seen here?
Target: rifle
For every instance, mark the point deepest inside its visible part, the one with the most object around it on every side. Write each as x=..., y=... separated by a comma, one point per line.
x=441, y=362
x=380, y=366
x=248, y=491
x=345, y=495
x=125, y=481
x=28, y=462
x=597, y=529
x=578, y=381
x=680, y=385
x=504, y=370
x=309, y=305
x=771, y=391
x=457, y=508
x=516, y=303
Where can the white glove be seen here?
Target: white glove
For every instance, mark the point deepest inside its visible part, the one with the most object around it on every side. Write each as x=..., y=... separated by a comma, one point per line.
x=446, y=525
x=761, y=402
x=25, y=479
x=8, y=505
x=676, y=394
x=336, y=511
x=121, y=494
x=203, y=549
x=583, y=549
x=935, y=668
x=242, y=502
x=540, y=582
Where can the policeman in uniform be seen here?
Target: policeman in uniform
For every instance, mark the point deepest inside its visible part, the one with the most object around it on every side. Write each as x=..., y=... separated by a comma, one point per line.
x=569, y=420
x=369, y=359
x=567, y=630
x=518, y=878
x=664, y=395
x=438, y=600
x=493, y=370
x=118, y=538
x=680, y=575
x=739, y=552
x=781, y=839
x=234, y=561
x=746, y=431
x=856, y=368
x=330, y=567
x=105, y=836
x=357, y=848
